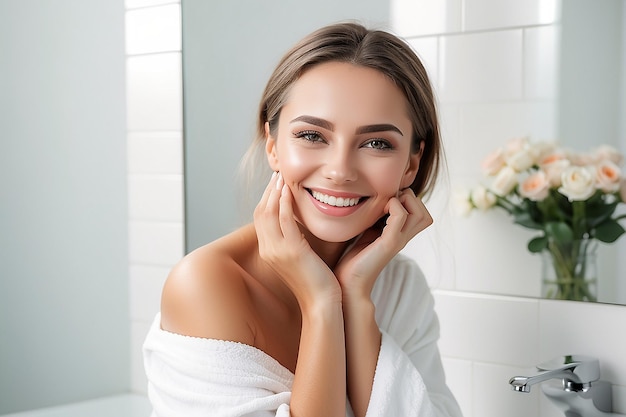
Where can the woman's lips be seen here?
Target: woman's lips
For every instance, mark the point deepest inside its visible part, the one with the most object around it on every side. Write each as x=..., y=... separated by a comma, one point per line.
x=336, y=204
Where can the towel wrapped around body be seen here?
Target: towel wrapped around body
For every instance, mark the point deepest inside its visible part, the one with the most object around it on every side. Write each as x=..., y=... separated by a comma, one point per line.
x=191, y=376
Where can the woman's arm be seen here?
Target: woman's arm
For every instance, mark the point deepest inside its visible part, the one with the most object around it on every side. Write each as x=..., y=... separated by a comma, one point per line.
x=362, y=346
x=357, y=272
x=319, y=387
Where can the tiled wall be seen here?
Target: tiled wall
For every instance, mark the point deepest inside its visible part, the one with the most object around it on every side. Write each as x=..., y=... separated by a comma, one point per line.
x=155, y=160
x=494, y=68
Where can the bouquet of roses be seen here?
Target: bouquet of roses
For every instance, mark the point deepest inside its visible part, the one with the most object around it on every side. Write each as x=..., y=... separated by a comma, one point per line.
x=570, y=198
x=565, y=195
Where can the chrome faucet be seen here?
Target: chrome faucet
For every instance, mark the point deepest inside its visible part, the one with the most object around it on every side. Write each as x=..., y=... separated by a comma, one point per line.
x=582, y=394
x=577, y=372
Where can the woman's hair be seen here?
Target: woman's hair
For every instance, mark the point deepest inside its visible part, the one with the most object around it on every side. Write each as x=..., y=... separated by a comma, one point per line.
x=376, y=49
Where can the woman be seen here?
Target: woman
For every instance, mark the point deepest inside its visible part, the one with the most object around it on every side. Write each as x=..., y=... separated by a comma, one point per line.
x=311, y=310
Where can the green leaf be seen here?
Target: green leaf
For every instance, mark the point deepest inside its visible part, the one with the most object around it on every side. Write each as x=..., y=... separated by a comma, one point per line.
x=538, y=244
x=560, y=231
x=598, y=213
x=609, y=231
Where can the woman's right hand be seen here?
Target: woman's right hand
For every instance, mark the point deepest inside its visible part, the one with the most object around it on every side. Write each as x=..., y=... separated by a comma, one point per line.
x=283, y=247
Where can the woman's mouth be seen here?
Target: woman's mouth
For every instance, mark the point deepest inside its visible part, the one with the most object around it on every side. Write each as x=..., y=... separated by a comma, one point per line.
x=336, y=205
x=331, y=200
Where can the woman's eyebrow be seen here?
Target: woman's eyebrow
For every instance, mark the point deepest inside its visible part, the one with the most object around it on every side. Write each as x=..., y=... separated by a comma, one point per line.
x=378, y=128
x=314, y=121
x=382, y=127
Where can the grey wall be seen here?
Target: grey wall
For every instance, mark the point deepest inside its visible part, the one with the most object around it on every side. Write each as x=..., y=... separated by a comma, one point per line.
x=591, y=72
x=229, y=51
x=64, y=329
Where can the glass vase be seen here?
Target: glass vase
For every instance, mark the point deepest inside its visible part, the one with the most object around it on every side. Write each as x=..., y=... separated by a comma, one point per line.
x=569, y=270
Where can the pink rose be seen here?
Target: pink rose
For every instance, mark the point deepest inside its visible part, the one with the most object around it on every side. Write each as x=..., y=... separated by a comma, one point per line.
x=554, y=171
x=493, y=163
x=608, y=176
x=535, y=187
x=607, y=152
x=516, y=144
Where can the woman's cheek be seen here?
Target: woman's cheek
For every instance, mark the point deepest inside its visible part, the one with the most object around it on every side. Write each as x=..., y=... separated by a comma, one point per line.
x=293, y=160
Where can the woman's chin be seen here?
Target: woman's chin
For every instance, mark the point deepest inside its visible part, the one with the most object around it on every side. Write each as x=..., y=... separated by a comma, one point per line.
x=332, y=235
x=331, y=232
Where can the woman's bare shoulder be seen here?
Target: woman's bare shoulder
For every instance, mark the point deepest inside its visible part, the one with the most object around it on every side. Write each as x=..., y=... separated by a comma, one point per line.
x=206, y=295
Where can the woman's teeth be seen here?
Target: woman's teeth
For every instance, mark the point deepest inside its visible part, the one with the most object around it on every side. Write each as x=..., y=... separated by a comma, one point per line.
x=334, y=201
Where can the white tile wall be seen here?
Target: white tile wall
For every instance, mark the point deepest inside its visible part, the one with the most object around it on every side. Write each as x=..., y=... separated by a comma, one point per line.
x=482, y=56
x=155, y=161
x=496, y=77
x=153, y=30
x=154, y=91
x=425, y=17
x=541, y=66
x=494, y=14
x=481, y=67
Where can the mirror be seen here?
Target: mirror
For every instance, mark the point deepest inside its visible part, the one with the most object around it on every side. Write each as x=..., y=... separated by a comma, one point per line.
x=548, y=90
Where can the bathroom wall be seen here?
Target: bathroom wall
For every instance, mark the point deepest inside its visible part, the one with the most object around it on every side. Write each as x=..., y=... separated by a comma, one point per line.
x=155, y=161
x=64, y=329
x=495, y=67
x=495, y=76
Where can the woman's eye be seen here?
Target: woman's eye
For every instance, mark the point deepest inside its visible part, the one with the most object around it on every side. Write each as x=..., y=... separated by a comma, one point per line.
x=378, y=144
x=310, y=136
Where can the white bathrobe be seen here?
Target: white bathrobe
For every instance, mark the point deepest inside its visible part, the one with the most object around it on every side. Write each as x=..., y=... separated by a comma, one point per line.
x=190, y=376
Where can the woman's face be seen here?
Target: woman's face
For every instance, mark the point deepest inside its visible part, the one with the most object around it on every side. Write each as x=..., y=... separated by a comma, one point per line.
x=343, y=147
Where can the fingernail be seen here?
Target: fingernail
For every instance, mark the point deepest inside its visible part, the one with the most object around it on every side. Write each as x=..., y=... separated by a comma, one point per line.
x=274, y=174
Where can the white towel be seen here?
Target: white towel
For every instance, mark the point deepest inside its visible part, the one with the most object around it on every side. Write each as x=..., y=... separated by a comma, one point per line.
x=191, y=376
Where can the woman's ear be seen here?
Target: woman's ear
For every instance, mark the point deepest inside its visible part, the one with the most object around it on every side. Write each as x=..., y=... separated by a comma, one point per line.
x=412, y=167
x=270, y=149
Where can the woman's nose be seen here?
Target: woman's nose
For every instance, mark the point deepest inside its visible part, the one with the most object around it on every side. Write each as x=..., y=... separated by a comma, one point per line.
x=340, y=166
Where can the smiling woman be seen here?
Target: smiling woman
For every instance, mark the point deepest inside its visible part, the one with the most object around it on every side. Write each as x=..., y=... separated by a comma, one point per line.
x=339, y=153
x=312, y=301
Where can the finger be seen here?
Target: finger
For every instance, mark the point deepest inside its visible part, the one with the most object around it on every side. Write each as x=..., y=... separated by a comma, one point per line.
x=419, y=217
x=286, y=217
x=267, y=212
x=273, y=190
x=266, y=193
x=398, y=215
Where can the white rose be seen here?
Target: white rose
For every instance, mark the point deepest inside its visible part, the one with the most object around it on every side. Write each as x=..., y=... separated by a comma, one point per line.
x=482, y=198
x=463, y=203
x=521, y=160
x=608, y=176
x=504, y=182
x=539, y=150
x=535, y=187
x=578, y=183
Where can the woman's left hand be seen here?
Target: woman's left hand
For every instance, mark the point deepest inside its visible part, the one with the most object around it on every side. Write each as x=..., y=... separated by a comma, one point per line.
x=360, y=266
